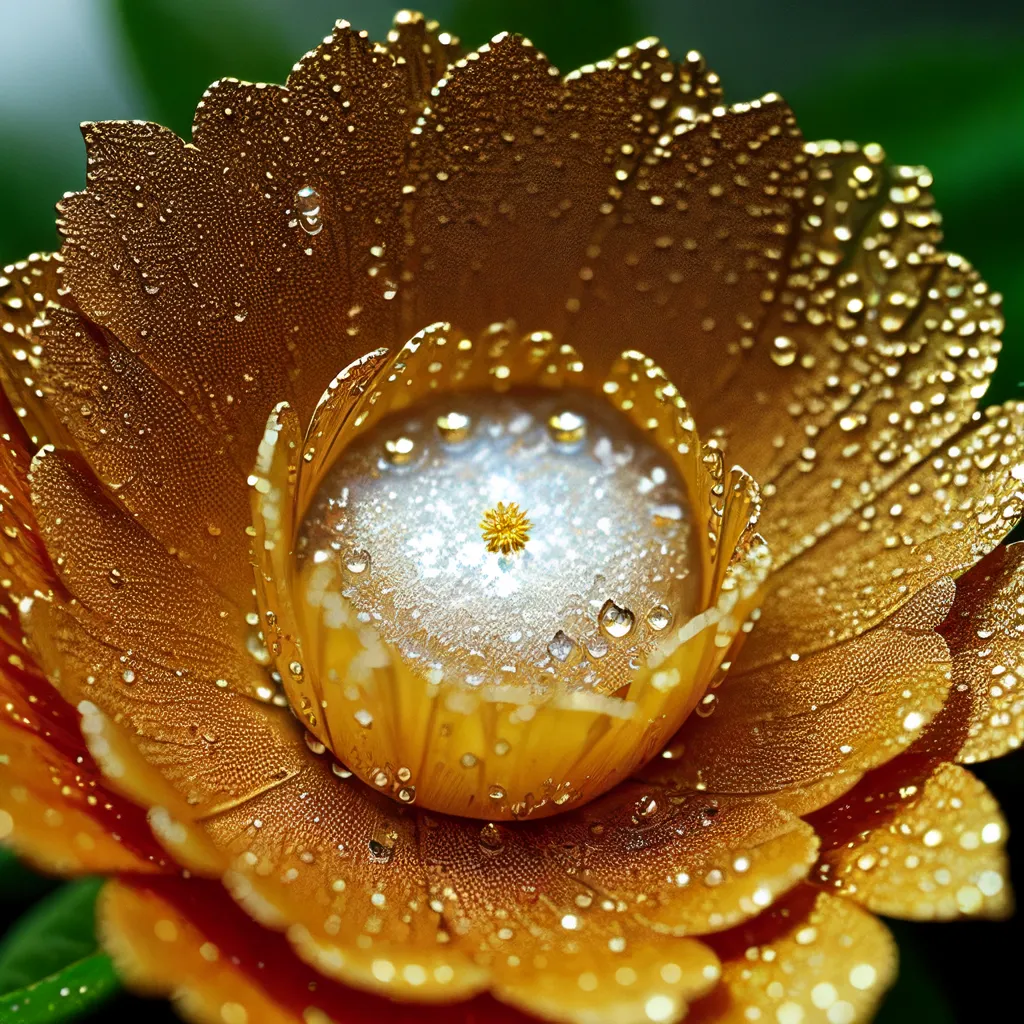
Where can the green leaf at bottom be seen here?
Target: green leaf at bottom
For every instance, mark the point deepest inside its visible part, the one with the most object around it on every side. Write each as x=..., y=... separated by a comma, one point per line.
x=51, y=968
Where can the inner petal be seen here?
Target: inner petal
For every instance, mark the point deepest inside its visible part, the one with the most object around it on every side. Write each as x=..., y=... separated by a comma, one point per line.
x=598, y=567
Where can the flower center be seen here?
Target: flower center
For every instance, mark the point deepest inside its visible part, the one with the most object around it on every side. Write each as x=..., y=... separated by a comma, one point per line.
x=529, y=540
x=490, y=583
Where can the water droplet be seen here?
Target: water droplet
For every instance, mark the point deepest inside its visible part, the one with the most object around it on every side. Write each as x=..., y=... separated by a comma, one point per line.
x=561, y=646
x=381, y=848
x=597, y=647
x=115, y=577
x=399, y=450
x=496, y=793
x=646, y=806
x=308, y=207
x=314, y=744
x=407, y=794
x=567, y=427
x=491, y=838
x=358, y=561
x=453, y=427
x=295, y=668
x=707, y=705
x=659, y=617
x=502, y=747
x=468, y=760
x=615, y=621
x=340, y=770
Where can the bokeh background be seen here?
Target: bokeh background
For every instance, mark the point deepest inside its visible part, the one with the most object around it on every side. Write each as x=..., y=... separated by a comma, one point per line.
x=938, y=82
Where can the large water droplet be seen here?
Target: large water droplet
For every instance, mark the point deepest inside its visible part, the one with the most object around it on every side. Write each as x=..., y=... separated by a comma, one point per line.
x=561, y=646
x=567, y=427
x=453, y=426
x=659, y=617
x=491, y=838
x=615, y=621
x=358, y=561
x=308, y=207
x=399, y=449
x=707, y=705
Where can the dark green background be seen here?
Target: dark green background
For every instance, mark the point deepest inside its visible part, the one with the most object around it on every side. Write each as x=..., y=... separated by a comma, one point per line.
x=938, y=83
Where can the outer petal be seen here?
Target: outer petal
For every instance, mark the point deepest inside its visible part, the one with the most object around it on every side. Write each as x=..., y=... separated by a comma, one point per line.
x=984, y=717
x=683, y=863
x=555, y=947
x=513, y=170
x=938, y=520
x=187, y=940
x=805, y=730
x=917, y=840
x=269, y=242
x=814, y=960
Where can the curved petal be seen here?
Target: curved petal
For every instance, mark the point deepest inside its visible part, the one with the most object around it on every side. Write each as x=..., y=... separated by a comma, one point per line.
x=918, y=840
x=805, y=730
x=817, y=959
x=937, y=520
x=681, y=862
x=509, y=186
x=187, y=940
x=984, y=717
x=552, y=945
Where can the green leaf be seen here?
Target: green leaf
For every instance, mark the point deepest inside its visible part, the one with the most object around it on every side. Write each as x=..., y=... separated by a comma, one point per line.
x=63, y=995
x=51, y=967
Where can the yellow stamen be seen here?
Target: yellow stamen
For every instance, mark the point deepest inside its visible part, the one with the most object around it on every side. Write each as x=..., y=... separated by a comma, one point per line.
x=505, y=528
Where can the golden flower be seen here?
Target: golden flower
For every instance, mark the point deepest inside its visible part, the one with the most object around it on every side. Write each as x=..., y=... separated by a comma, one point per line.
x=263, y=667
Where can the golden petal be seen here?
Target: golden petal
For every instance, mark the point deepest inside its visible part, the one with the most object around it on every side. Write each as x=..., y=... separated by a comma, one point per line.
x=683, y=863
x=937, y=520
x=553, y=946
x=423, y=51
x=510, y=184
x=817, y=960
x=685, y=260
x=251, y=264
x=817, y=723
x=56, y=809
x=144, y=603
x=984, y=717
x=29, y=290
x=187, y=940
x=138, y=436
x=917, y=840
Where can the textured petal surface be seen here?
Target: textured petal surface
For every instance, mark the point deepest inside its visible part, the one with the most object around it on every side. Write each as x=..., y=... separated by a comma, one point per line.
x=919, y=840
x=814, y=960
x=188, y=940
x=554, y=946
x=984, y=717
x=806, y=729
x=938, y=520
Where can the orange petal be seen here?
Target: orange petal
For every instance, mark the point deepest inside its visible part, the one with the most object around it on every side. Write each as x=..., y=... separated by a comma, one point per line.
x=208, y=276
x=817, y=959
x=167, y=468
x=29, y=290
x=144, y=603
x=937, y=520
x=187, y=940
x=683, y=863
x=689, y=248
x=553, y=946
x=984, y=717
x=807, y=729
x=917, y=840
x=517, y=185
x=55, y=806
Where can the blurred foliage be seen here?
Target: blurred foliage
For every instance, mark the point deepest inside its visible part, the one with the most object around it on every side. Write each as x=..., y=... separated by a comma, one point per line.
x=51, y=968
x=952, y=100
